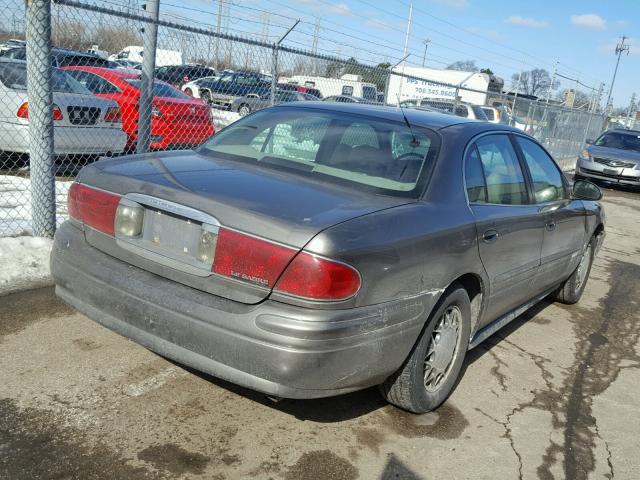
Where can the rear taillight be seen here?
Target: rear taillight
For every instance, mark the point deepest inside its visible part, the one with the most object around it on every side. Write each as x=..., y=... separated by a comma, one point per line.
x=261, y=262
x=23, y=112
x=94, y=208
x=113, y=115
x=250, y=259
x=318, y=278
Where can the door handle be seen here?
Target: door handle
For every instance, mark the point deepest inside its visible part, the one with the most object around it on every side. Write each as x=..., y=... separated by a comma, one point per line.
x=551, y=226
x=490, y=236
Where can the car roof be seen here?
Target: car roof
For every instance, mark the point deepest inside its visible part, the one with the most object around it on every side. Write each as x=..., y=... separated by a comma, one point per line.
x=109, y=72
x=623, y=131
x=422, y=118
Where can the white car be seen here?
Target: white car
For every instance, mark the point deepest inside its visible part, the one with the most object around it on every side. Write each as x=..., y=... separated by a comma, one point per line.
x=193, y=87
x=83, y=123
x=459, y=109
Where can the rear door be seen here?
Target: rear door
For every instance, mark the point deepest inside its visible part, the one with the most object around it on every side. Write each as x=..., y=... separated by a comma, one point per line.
x=564, y=218
x=509, y=228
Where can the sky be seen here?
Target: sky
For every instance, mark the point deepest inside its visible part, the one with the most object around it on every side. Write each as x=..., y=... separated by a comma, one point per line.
x=508, y=37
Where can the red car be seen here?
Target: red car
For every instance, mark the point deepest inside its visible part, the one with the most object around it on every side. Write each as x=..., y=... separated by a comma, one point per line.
x=178, y=119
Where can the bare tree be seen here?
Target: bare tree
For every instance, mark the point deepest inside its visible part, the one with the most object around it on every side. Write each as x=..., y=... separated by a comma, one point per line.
x=582, y=100
x=536, y=82
x=464, y=65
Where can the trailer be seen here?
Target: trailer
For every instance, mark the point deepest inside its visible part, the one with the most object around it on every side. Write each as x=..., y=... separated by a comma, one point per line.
x=345, y=85
x=410, y=83
x=134, y=53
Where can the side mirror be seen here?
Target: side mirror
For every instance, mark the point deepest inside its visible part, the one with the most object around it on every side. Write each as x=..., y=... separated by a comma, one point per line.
x=589, y=141
x=585, y=190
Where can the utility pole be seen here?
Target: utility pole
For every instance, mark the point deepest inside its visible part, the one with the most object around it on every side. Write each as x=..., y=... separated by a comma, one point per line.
x=631, y=111
x=265, y=26
x=408, y=34
x=596, y=98
x=426, y=45
x=218, y=26
x=553, y=81
x=620, y=49
x=316, y=34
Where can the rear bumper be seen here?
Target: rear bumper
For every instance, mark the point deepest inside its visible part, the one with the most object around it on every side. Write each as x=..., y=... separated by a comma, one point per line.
x=67, y=140
x=598, y=171
x=274, y=348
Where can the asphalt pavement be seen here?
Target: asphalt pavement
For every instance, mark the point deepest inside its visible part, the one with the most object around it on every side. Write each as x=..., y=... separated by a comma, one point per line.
x=553, y=395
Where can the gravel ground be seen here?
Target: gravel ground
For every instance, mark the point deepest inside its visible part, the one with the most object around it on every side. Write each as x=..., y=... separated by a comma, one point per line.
x=553, y=395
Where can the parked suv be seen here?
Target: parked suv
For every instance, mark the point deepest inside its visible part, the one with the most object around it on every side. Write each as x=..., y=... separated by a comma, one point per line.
x=61, y=57
x=613, y=157
x=232, y=85
x=178, y=75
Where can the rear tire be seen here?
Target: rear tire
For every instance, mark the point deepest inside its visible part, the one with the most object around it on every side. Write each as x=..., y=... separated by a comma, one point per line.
x=244, y=110
x=431, y=372
x=573, y=287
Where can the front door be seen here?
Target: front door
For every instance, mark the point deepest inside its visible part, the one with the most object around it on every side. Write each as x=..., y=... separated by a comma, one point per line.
x=509, y=227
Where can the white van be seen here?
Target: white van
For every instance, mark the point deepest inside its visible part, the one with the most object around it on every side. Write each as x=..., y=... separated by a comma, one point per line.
x=346, y=85
x=133, y=53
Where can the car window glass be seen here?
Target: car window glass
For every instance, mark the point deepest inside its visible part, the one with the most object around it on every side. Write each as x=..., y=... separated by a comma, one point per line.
x=297, y=139
x=622, y=141
x=489, y=113
x=360, y=134
x=370, y=93
x=161, y=89
x=333, y=146
x=93, y=83
x=546, y=177
x=474, y=177
x=461, y=111
x=347, y=90
x=505, y=181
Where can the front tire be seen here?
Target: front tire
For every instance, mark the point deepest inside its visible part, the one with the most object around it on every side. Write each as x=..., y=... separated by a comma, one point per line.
x=429, y=375
x=571, y=290
x=244, y=110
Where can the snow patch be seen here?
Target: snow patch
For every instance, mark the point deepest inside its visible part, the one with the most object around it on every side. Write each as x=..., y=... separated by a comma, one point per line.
x=24, y=263
x=15, y=204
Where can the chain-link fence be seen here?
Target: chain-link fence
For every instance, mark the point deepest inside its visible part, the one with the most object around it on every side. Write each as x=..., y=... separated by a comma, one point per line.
x=108, y=96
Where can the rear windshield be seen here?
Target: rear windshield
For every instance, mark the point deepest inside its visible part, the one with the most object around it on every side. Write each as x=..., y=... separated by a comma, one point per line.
x=14, y=76
x=623, y=141
x=336, y=147
x=161, y=89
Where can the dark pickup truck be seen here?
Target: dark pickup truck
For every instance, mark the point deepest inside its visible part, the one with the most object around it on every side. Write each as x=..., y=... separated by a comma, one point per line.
x=232, y=85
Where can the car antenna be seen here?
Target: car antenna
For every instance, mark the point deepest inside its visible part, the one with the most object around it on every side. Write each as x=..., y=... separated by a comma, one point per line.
x=414, y=141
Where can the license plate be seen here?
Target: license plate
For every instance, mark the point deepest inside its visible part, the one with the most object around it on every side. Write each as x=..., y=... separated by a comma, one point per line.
x=171, y=235
x=610, y=171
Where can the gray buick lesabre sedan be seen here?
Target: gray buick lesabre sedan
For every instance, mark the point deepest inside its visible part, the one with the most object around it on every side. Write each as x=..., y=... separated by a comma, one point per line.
x=313, y=249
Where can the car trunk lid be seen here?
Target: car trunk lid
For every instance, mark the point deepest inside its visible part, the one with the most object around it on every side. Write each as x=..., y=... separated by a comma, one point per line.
x=194, y=192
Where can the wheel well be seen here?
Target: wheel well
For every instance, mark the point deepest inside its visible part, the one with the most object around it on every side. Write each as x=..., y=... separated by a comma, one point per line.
x=599, y=229
x=473, y=285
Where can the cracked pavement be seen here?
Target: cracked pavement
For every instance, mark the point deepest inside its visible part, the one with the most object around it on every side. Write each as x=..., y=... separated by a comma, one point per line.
x=553, y=395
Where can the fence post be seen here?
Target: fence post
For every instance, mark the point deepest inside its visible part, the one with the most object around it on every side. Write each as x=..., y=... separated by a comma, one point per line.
x=39, y=93
x=274, y=73
x=149, y=42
